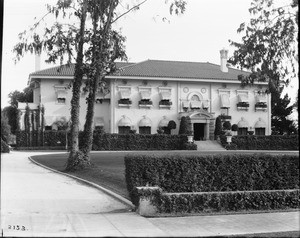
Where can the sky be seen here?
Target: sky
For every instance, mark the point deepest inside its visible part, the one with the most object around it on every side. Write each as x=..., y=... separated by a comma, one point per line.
x=198, y=35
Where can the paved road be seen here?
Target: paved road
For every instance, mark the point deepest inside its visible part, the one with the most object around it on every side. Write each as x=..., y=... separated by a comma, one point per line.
x=36, y=202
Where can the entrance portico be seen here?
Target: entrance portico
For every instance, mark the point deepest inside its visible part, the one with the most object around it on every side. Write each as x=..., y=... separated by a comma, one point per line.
x=203, y=124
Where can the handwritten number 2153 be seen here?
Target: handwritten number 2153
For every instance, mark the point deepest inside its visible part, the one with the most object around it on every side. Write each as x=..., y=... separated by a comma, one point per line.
x=17, y=227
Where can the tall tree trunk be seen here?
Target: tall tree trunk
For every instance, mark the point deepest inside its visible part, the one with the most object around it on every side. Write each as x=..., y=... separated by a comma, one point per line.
x=75, y=159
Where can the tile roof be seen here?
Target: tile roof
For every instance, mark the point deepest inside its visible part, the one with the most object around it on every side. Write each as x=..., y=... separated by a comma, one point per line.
x=65, y=70
x=179, y=69
x=157, y=68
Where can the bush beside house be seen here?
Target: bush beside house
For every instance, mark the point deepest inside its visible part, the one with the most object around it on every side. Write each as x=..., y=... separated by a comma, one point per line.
x=272, y=142
x=215, y=182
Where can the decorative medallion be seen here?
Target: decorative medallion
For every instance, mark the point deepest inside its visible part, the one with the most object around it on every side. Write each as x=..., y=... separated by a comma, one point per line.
x=186, y=89
x=203, y=90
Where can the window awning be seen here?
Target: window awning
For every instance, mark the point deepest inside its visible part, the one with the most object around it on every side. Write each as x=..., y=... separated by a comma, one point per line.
x=261, y=98
x=99, y=121
x=62, y=94
x=243, y=98
x=125, y=121
x=125, y=94
x=163, y=123
x=145, y=95
x=49, y=120
x=145, y=122
x=185, y=104
x=165, y=95
x=196, y=104
x=260, y=124
x=243, y=124
x=205, y=104
x=225, y=102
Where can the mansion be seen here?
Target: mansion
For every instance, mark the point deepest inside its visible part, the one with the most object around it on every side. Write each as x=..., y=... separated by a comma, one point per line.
x=145, y=96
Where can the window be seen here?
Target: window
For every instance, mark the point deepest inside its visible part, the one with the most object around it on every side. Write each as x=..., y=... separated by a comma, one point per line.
x=61, y=100
x=145, y=130
x=224, y=111
x=48, y=128
x=260, y=131
x=124, y=129
x=242, y=131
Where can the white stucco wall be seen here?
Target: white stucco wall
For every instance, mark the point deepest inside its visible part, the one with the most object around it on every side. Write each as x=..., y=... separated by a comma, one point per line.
x=180, y=91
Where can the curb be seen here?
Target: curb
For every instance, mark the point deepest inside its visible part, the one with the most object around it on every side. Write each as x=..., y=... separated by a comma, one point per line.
x=108, y=192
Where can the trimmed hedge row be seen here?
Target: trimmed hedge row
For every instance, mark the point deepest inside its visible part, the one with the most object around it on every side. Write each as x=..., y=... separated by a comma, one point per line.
x=227, y=201
x=272, y=142
x=212, y=173
x=50, y=138
x=103, y=141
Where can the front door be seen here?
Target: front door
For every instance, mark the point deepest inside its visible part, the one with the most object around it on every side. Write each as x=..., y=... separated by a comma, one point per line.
x=199, y=131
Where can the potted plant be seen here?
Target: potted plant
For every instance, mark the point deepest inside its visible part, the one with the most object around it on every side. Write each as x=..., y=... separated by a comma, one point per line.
x=228, y=135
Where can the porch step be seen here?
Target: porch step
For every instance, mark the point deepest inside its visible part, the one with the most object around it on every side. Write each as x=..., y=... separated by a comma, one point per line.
x=209, y=145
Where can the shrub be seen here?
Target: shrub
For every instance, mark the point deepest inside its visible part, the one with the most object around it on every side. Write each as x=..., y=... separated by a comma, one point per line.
x=218, y=126
x=5, y=128
x=183, y=126
x=272, y=142
x=234, y=127
x=137, y=142
x=190, y=146
x=227, y=201
x=226, y=125
x=4, y=147
x=212, y=173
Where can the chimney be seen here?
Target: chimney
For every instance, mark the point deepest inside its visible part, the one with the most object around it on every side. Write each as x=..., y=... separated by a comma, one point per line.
x=37, y=61
x=223, y=54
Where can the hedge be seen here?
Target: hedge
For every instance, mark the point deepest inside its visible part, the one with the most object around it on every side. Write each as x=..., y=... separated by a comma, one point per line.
x=212, y=173
x=272, y=142
x=226, y=201
x=4, y=147
x=103, y=141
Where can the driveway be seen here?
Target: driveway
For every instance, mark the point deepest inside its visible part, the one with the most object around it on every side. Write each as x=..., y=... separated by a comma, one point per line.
x=38, y=202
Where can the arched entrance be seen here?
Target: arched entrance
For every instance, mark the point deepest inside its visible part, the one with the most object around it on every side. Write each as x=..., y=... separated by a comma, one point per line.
x=203, y=124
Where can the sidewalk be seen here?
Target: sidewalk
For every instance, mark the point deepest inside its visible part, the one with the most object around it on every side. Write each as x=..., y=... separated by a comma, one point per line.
x=38, y=202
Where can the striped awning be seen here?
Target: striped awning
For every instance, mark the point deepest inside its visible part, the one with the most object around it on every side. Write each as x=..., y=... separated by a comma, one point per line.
x=205, y=104
x=185, y=104
x=196, y=104
x=125, y=121
x=260, y=124
x=261, y=98
x=125, y=94
x=99, y=121
x=242, y=123
x=62, y=94
x=225, y=102
x=243, y=98
x=49, y=120
x=163, y=123
x=165, y=95
x=145, y=122
x=145, y=95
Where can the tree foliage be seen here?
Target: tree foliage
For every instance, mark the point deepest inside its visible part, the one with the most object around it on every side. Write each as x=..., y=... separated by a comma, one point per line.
x=5, y=128
x=93, y=44
x=269, y=50
x=269, y=45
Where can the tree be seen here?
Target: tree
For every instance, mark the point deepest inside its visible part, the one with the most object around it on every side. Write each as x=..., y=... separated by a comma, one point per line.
x=218, y=126
x=5, y=128
x=171, y=125
x=281, y=124
x=269, y=50
x=12, y=114
x=183, y=126
x=102, y=46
